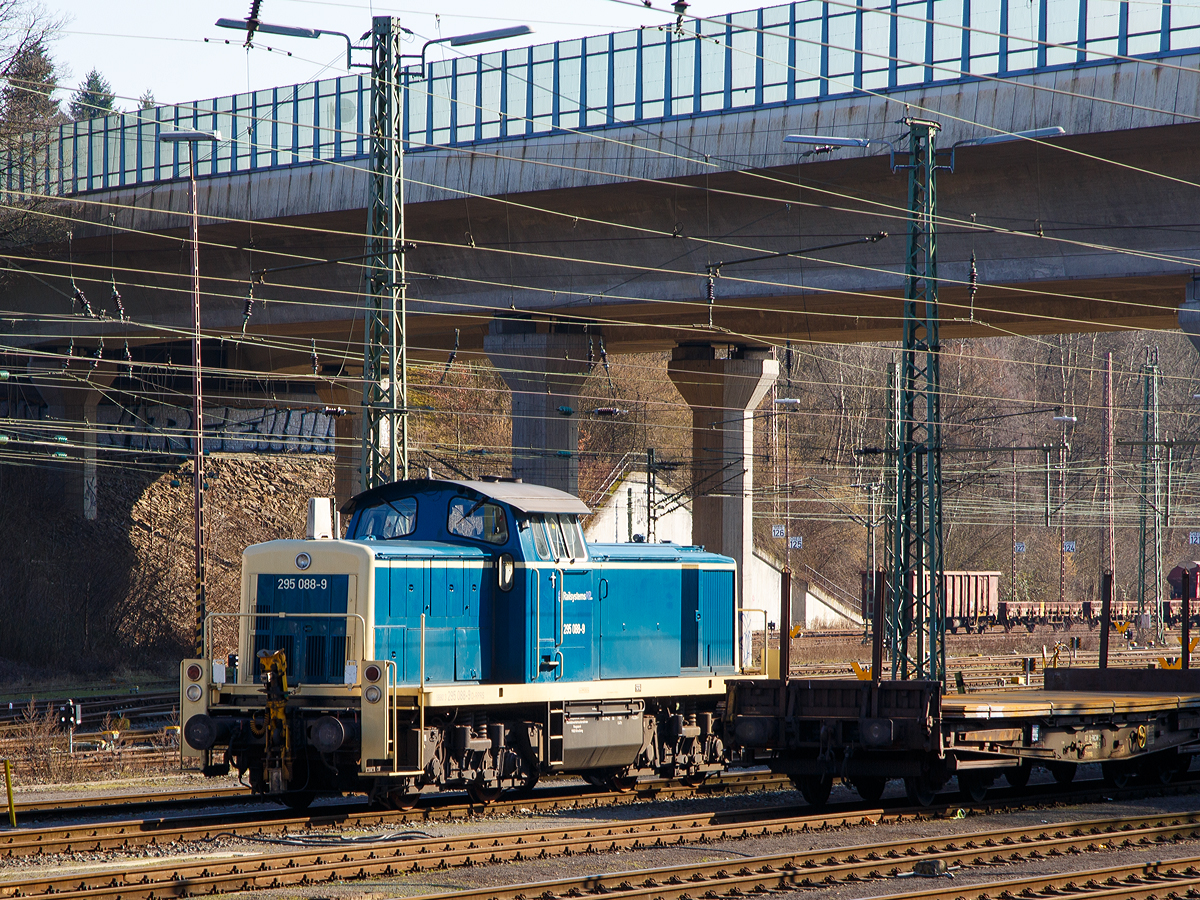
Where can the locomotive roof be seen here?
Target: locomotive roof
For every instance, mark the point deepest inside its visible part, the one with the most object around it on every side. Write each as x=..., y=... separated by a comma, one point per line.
x=527, y=498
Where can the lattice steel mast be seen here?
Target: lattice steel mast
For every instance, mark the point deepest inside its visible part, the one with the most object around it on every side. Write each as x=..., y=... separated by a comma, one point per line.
x=917, y=562
x=385, y=356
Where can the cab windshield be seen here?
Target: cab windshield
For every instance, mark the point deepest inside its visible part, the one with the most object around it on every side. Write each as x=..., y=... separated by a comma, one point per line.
x=388, y=521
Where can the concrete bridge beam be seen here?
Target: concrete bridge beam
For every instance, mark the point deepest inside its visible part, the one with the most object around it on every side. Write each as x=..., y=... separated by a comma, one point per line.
x=723, y=394
x=544, y=370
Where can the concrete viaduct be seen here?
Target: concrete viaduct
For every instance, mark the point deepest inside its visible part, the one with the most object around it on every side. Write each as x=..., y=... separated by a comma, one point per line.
x=531, y=244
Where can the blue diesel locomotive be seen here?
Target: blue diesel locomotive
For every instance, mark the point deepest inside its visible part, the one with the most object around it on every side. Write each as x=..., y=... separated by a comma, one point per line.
x=465, y=635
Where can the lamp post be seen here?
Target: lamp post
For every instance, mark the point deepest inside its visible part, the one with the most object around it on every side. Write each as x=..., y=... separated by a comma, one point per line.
x=192, y=138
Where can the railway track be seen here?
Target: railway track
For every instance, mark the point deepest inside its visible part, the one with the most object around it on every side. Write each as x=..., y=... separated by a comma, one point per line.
x=1174, y=878
x=94, y=837
x=304, y=863
x=103, y=802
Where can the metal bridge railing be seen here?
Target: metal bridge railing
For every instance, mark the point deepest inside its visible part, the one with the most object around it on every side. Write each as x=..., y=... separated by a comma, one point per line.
x=791, y=53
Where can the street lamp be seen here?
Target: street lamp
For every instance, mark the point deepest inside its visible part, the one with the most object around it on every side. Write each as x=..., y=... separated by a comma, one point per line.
x=192, y=138
x=250, y=26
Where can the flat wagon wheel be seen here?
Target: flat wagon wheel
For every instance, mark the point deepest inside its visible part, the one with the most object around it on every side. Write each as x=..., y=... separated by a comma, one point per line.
x=974, y=785
x=814, y=788
x=870, y=787
x=1062, y=772
x=297, y=799
x=1116, y=774
x=1018, y=776
x=920, y=790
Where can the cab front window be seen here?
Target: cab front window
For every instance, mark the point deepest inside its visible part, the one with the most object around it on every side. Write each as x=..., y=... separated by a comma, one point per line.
x=479, y=520
x=390, y=520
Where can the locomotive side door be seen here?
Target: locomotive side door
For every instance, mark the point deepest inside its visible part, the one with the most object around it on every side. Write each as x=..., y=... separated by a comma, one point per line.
x=543, y=580
x=562, y=601
x=576, y=599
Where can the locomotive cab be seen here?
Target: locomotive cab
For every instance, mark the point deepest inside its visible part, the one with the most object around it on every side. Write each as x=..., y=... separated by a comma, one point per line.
x=464, y=634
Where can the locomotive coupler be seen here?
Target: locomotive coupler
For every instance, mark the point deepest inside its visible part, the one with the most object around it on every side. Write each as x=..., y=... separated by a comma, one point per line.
x=277, y=754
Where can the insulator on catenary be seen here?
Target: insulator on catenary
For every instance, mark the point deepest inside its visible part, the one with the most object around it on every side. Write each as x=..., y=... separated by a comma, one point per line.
x=80, y=298
x=249, y=308
x=70, y=353
x=607, y=371
x=450, y=359
x=116, y=301
x=316, y=363
x=973, y=280
x=128, y=361
x=98, y=355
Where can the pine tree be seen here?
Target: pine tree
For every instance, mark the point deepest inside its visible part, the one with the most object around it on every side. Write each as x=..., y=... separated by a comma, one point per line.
x=94, y=98
x=26, y=100
x=147, y=101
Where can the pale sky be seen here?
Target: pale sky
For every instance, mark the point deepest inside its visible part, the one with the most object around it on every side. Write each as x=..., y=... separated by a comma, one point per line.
x=160, y=44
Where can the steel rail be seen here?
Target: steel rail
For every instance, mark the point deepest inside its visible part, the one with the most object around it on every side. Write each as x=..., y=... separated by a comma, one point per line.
x=885, y=859
x=95, y=837
x=1132, y=881
x=77, y=805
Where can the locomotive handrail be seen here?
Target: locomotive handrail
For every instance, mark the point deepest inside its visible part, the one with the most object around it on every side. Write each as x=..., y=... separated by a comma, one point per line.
x=392, y=738
x=421, y=702
x=287, y=615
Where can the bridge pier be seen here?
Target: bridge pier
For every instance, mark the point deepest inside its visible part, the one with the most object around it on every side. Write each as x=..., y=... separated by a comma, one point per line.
x=544, y=370
x=347, y=443
x=723, y=394
x=74, y=403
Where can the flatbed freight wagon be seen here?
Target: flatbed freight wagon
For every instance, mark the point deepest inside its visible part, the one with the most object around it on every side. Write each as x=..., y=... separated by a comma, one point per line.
x=1142, y=724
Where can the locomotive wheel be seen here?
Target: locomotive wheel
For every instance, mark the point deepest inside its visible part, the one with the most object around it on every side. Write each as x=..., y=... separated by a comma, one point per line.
x=1018, y=776
x=814, y=788
x=484, y=794
x=1062, y=772
x=529, y=784
x=622, y=784
x=920, y=790
x=973, y=786
x=694, y=781
x=403, y=801
x=870, y=787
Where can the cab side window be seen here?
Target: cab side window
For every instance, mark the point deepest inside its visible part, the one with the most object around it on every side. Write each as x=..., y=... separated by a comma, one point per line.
x=537, y=528
x=477, y=521
x=574, y=536
x=557, y=544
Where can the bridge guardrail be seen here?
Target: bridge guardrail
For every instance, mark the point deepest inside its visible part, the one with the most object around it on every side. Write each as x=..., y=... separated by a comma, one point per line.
x=790, y=53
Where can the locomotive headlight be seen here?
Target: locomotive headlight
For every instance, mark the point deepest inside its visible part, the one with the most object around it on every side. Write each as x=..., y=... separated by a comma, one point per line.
x=372, y=694
x=194, y=692
x=505, y=570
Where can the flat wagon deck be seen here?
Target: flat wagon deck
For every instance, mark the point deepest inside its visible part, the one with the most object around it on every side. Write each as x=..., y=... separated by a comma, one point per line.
x=1136, y=724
